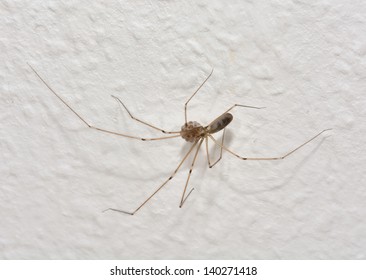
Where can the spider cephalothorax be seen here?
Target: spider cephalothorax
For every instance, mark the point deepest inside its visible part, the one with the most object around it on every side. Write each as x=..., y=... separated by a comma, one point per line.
x=192, y=131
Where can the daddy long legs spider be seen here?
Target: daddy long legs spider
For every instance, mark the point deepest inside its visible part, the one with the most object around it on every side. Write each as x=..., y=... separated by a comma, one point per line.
x=191, y=131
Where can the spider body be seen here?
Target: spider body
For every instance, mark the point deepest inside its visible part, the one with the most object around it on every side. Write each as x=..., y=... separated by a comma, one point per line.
x=193, y=131
x=220, y=123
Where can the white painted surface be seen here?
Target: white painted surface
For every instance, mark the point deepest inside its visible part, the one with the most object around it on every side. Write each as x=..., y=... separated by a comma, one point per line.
x=303, y=60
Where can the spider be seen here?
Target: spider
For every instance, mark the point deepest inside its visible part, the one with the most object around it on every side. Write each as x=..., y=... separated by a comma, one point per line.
x=191, y=131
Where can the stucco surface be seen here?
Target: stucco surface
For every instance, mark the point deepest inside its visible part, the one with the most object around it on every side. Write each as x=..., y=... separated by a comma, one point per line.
x=302, y=60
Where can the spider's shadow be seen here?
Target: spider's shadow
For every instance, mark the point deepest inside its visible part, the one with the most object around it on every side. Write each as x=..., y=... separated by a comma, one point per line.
x=213, y=149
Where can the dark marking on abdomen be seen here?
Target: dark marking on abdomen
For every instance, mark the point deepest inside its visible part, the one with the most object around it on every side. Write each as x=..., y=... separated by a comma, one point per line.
x=220, y=123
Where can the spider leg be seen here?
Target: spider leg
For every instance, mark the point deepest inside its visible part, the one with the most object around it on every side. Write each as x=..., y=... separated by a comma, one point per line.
x=244, y=106
x=94, y=127
x=185, y=105
x=143, y=122
x=267, y=158
x=184, y=198
x=235, y=105
x=208, y=154
x=159, y=188
x=232, y=107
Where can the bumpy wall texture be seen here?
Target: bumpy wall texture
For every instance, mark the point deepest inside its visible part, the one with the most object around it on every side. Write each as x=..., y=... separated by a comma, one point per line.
x=302, y=60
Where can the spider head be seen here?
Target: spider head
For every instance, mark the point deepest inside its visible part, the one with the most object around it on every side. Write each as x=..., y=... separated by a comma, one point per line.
x=192, y=131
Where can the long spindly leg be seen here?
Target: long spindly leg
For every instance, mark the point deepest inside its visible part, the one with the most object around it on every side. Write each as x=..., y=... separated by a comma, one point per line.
x=143, y=122
x=268, y=158
x=185, y=105
x=244, y=106
x=159, y=188
x=208, y=154
x=184, y=198
x=232, y=107
x=93, y=127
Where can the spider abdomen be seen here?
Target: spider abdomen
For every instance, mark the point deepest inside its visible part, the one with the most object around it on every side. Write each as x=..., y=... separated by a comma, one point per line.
x=220, y=123
x=192, y=131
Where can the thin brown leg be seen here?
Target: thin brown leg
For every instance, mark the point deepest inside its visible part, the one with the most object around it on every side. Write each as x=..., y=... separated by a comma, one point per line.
x=93, y=127
x=159, y=188
x=183, y=199
x=143, y=122
x=208, y=154
x=232, y=107
x=268, y=158
x=185, y=105
x=245, y=106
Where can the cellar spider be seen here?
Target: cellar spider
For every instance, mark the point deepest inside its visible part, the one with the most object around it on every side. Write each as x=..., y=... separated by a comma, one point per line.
x=191, y=131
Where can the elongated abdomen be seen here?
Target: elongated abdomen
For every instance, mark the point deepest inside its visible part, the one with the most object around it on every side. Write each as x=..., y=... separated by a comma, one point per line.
x=220, y=123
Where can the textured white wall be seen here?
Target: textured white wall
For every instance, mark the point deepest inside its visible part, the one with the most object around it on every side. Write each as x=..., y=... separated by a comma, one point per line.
x=303, y=60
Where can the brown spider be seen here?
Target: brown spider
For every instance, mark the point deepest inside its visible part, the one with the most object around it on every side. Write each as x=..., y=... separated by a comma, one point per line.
x=191, y=131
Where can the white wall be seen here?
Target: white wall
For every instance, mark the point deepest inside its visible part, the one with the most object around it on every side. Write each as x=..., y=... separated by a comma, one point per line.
x=303, y=60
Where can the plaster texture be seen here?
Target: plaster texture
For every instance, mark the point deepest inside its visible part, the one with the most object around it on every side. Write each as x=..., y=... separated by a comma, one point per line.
x=305, y=61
